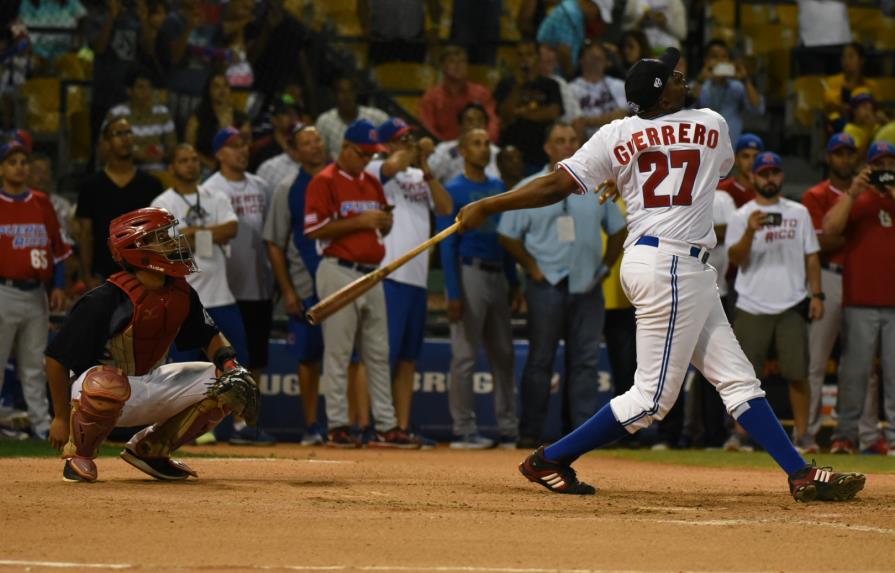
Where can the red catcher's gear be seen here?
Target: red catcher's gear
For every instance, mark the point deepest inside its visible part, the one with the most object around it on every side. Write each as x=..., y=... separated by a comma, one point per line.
x=158, y=315
x=145, y=239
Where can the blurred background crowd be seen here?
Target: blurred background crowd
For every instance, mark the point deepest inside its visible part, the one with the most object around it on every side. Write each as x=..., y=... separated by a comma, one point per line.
x=259, y=123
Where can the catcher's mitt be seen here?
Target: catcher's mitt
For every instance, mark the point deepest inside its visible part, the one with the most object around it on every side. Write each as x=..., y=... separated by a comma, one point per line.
x=236, y=389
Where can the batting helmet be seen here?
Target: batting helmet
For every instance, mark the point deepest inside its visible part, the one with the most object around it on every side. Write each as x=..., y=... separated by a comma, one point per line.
x=147, y=239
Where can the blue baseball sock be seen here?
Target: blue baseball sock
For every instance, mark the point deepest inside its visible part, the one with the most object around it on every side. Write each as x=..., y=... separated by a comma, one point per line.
x=602, y=428
x=761, y=423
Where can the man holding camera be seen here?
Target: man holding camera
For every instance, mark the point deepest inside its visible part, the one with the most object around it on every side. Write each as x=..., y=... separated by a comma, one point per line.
x=772, y=241
x=865, y=215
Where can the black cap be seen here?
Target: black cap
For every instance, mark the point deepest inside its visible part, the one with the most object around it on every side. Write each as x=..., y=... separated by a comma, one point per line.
x=647, y=79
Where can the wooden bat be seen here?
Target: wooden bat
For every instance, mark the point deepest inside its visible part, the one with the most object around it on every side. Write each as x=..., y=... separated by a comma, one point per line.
x=345, y=295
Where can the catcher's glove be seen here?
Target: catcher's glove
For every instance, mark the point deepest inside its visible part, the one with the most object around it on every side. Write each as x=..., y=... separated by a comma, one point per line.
x=236, y=389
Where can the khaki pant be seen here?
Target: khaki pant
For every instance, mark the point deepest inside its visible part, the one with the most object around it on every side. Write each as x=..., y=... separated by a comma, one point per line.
x=363, y=323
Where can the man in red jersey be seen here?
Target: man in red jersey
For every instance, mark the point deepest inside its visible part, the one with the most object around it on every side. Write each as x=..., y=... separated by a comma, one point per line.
x=739, y=186
x=842, y=157
x=347, y=214
x=866, y=215
x=31, y=248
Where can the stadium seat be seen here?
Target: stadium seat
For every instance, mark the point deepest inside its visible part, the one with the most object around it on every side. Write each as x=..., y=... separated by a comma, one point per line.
x=807, y=93
x=486, y=75
x=404, y=76
x=342, y=13
x=885, y=89
x=41, y=97
x=410, y=104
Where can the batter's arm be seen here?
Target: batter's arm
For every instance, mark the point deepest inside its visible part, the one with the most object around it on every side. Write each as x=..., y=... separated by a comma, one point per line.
x=60, y=392
x=539, y=192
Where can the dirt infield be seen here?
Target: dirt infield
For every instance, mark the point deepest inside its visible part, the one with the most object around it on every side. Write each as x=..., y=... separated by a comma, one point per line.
x=430, y=511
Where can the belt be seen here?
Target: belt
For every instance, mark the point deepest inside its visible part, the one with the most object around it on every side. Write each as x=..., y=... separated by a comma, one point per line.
x=700, y=253
x=22, y=284
x=355, y=266
x=489, y=266
x=832, y=267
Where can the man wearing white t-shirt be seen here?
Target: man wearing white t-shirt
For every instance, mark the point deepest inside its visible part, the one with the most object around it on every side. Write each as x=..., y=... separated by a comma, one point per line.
x=248, y=269
x=602, y=98
x=206, y=218
x=446, y=162
x=412, y=191
x=772, y=241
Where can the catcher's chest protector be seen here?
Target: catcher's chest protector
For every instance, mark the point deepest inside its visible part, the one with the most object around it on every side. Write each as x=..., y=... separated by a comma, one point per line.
x=158, y=314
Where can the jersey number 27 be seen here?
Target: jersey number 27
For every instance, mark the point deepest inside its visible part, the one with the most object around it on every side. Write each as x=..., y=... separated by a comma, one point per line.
x=657, y=164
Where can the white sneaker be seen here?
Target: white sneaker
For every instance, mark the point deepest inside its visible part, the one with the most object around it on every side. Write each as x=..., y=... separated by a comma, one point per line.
x=472, y=442
x=736, y=443
x=14, y=419
x=312, y=439
x=13, y=435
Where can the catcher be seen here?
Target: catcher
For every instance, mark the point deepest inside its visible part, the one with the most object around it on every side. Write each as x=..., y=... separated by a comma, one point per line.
x=106, y=367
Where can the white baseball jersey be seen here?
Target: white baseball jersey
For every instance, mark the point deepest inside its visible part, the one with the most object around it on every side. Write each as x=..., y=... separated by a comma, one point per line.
x=412, y=198
x=667, y=170
x=773, y=279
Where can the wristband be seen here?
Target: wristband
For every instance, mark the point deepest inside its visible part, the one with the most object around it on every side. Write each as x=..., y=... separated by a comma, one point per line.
x=225, y=358
x=819, y=296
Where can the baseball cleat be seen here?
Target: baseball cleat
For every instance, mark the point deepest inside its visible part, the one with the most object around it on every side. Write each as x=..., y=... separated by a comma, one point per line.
x=79, y=470
x=164, y=469
x=555, y=476
x=823, y=484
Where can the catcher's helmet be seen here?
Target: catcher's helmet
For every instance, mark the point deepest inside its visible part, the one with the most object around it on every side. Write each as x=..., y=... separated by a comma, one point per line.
x=147, y=239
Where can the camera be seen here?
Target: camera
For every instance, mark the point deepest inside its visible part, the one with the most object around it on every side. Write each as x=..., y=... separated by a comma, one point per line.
x=773, y=219
x=882, y=179
x=724, y=70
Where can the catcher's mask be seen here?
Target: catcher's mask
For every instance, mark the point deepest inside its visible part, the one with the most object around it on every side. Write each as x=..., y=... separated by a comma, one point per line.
x=147, y=239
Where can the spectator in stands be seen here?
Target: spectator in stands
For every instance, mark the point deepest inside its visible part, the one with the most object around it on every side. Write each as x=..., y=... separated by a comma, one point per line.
x=864, y=121
x=206, y=218
x=839, y=87
x=510, y=165
x=215, y=112
x=531, y=14
x=248, y=271
x=189, y=49
x=739, y=185
x=446, y=161
x=238, y=14
x=865, y=215
x=663, y=21
x=475, y=25
x=42, y=179
x=546, y=65
x=398, y=39
x=153, y=129
x=117, y=189
x=283, y=118
x=565, y=29
x=842, y=158
x=482, y=291
x=31, y=250
x=414, y=193
x=345, y=211
x=724, y=86
x=776, y=259
x=632, y=47
x=294, y=260
x=285, y=166
x=116, y=36
x=528, y=103
x=561, y=250
x=886, y=133
x=441, y=105
x=278, y=50
x=66, y=16
x=601, y=98
x=333, y=123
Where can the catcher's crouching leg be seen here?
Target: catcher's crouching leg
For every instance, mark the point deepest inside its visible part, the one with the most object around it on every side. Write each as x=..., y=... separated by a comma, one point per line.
x=150, y=449
x=93, y=415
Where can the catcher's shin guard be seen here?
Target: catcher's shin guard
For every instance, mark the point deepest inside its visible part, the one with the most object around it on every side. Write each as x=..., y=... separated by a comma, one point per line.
x=150, y=449
x=93, y=415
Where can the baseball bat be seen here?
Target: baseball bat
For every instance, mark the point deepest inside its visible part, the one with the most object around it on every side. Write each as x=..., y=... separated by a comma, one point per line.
x=345, y=295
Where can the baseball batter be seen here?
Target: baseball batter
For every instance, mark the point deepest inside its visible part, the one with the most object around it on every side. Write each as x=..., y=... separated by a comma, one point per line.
x=106, y=367
x=665, y=162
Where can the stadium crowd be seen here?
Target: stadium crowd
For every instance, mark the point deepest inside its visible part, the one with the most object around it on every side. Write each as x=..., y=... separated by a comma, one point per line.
x=213, y=112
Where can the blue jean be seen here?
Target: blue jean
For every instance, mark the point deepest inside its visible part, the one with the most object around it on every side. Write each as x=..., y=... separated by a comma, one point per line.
x=554, y=314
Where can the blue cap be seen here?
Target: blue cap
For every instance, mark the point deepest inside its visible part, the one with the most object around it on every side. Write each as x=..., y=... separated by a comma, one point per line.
x=840, y=140
x=363, y=134
x=224, y=137
x=13, y=147
x=879, y=150
x=861, y=95
x=767, y=160
x=394, y=128
x=749, y=141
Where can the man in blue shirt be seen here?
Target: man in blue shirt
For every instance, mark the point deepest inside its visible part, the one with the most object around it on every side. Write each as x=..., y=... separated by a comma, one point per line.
x=480, y=281
x=565, y=29
x=560, y=248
